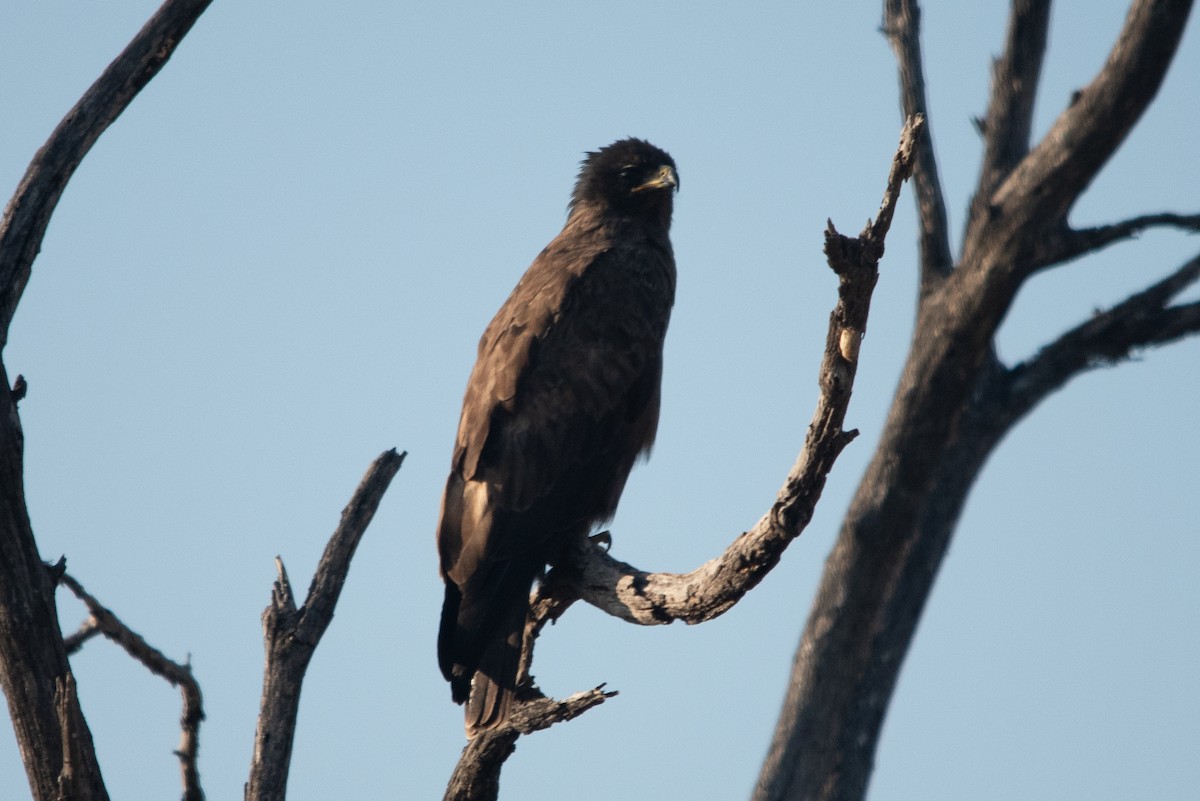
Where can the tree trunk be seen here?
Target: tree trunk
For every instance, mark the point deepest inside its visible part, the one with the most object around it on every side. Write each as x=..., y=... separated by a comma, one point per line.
x=55, y=743
x=955, y=400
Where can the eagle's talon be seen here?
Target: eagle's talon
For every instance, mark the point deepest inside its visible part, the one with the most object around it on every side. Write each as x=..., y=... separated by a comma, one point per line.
x=603, y=538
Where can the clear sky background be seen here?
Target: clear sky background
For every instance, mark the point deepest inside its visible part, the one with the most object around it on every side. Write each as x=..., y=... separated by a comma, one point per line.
x=277, y=264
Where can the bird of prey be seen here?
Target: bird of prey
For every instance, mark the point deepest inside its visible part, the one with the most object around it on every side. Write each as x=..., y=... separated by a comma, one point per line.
x=563, y=398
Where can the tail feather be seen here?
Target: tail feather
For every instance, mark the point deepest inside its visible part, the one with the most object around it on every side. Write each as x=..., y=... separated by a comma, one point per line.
x=480, y=641
x=495, y=681
x=456, y=653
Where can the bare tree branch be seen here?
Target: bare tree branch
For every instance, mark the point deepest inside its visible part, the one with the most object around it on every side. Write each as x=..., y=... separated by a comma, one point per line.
x=1042, y=189
x=28, y=212
x=476, y=777
x=1070, y=243
x=105, y=622
x=292, y=633
x=1015, y=75
x=901, y=25
x=55, y=743
x=1142, y=320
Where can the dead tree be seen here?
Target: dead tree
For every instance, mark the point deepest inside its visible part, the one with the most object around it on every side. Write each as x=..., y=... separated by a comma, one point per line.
x=955, y=403
x=956, y=399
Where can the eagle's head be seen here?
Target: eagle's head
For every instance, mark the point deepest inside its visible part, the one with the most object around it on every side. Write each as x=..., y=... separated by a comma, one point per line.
x=630, y=177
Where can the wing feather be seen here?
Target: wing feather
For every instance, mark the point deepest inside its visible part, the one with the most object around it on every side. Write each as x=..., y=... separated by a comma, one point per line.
x=565, y=371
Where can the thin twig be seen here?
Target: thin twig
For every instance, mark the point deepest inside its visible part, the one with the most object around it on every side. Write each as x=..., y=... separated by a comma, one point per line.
x=1108, y=337
x=1072, y=243
x=178, y=675
x=901, y=25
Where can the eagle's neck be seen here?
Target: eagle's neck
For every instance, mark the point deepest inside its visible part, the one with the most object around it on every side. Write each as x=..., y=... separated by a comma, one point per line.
x=652, y=217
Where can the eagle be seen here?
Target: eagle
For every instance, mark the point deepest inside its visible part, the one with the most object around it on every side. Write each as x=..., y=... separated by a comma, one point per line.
x=563, y=399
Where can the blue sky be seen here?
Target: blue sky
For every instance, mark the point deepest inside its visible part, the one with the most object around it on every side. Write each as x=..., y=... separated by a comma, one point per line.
x=276, y=264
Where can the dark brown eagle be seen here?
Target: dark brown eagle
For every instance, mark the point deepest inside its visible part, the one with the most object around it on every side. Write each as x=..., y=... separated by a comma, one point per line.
x=563, y=398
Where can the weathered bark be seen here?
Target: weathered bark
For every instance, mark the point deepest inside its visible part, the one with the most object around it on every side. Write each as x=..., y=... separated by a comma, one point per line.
x=956, y=400
x=292, y=634
x=476, y=777
x=53, y=738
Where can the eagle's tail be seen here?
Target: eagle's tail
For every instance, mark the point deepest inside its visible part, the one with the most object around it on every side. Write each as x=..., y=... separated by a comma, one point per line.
x=495, y=681
x=480, y=642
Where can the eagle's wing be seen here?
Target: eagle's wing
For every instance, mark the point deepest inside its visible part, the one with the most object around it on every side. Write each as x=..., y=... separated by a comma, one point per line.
x=573, y=354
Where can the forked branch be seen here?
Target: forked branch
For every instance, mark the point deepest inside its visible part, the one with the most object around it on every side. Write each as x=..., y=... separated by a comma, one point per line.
x=944, y=418
x=292, y=633
x=52, y=734
x=1053, y=175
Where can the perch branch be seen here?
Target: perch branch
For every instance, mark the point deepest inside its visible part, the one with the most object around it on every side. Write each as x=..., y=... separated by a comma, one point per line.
x=476, y=777
x=102, y=620
x=292, y=634
x=654, y=598
x=901, y=25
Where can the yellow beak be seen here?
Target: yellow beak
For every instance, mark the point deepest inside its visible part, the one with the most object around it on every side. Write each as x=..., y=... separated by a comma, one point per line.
x=663, y=179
